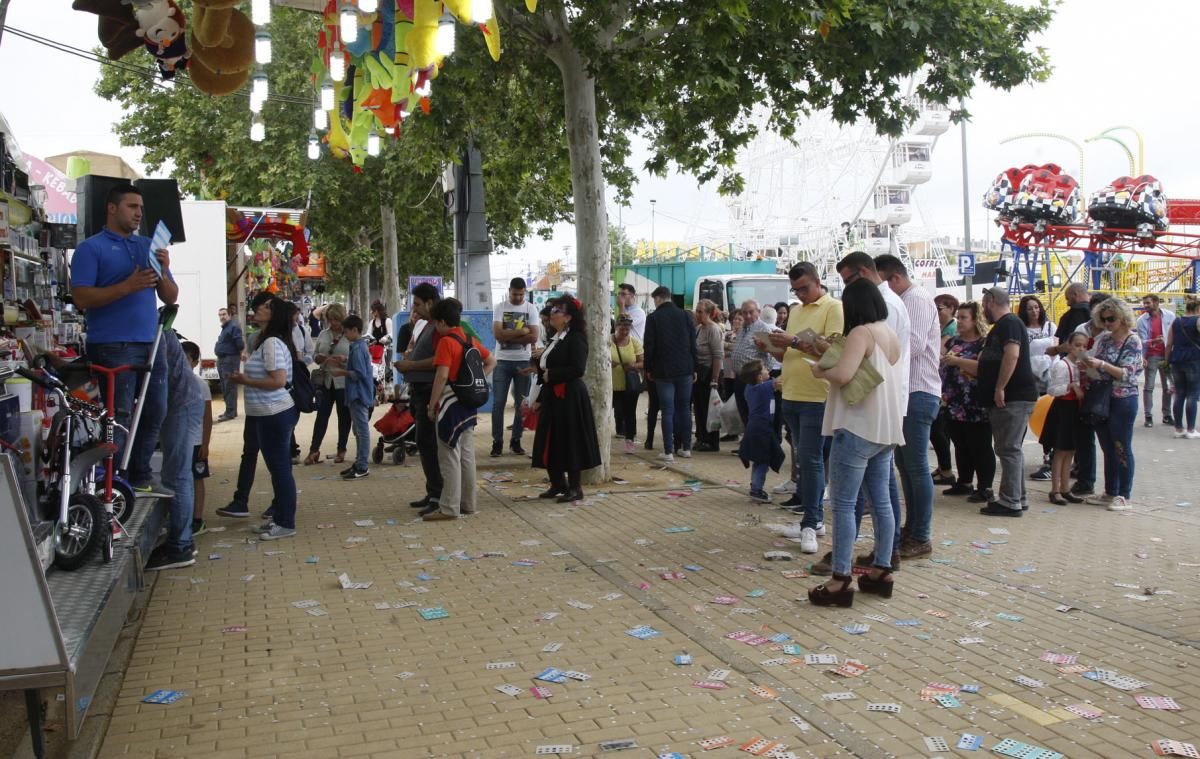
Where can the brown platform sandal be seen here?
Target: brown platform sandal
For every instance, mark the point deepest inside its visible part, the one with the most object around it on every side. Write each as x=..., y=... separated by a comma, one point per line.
x=823, y=596
x=880, y=586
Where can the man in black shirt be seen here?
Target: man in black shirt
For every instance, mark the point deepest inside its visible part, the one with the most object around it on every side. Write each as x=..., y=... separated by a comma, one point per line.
x=1080, y=312
x=670, y=360
x=1006, y=387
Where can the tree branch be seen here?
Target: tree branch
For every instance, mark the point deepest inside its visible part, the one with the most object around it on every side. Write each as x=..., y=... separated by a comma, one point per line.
x=523, y=25
x=645, y=38
x=609, y=32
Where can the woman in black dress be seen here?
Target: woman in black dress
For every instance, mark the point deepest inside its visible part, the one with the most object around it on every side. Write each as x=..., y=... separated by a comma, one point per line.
x=565, y=442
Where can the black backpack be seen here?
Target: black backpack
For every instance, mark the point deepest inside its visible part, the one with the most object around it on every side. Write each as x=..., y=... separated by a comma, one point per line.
x=470, y=386
x=301, y=388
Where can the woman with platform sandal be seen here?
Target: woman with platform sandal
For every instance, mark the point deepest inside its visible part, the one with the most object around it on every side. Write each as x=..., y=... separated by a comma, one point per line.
x=865, y=435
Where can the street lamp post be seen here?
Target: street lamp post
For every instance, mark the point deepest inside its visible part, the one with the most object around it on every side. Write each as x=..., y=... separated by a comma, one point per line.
x=653, y=241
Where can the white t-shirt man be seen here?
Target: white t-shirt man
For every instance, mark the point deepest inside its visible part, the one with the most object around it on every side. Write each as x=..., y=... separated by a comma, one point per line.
x=638, y=314
x=898, y=320
x=515, y=317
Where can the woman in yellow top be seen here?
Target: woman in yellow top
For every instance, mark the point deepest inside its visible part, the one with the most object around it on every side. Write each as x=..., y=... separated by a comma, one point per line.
x=625, y=354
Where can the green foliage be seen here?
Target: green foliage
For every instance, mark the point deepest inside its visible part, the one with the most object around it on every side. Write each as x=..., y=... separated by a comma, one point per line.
x=698, y=78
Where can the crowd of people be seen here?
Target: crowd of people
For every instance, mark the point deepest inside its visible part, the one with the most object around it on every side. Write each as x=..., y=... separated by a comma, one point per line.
x=858, y=388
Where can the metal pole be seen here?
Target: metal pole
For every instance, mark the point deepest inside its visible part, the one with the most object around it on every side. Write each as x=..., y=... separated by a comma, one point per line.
x=653, y=242
x=969, y=279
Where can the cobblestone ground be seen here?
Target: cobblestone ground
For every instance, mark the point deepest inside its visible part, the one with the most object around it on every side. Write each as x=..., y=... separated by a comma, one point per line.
x=362, y=674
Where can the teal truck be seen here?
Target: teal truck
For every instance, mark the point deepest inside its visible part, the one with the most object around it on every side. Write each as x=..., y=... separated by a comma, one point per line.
x=726, y=283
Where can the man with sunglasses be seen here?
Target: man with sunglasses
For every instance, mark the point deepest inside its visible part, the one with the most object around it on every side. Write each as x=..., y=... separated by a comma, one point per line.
x=1006, y=388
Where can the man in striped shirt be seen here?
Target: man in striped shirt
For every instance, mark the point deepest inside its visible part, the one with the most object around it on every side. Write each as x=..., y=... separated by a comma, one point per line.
x=746, y=348
x=924, y=400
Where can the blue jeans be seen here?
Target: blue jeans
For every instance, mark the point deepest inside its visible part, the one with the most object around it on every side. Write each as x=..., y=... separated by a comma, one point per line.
x=1187, y=391
x=1085, y=456
x=893, y=501
x=177, y=448
x=758, y=476
x=227, y=365
x=272, y=435
x=912, y=458
x=856, y=464
x=675, y=404
x=507, y=376
x=1155, y=366
x=360, y=415
x=1116, y=440
x=127, y=384
x=803, y=420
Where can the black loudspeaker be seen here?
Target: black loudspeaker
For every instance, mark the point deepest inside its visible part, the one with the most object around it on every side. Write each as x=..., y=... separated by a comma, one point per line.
x=91, y=191
x=161, y=200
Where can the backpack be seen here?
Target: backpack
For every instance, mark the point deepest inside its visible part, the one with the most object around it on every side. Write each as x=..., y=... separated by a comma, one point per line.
x=470, y=386
x=301, y=389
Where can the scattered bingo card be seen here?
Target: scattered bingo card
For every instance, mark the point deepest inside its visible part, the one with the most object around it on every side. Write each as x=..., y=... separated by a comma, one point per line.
x=163, y=697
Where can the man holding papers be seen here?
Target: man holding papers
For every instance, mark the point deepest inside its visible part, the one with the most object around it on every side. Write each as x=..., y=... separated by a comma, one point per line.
x=118, y=281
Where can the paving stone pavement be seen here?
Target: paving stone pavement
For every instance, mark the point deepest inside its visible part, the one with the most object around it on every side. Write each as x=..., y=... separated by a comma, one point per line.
x=363, y=680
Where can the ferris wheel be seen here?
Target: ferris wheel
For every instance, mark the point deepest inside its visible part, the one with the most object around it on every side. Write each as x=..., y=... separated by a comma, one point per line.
x=833, y=189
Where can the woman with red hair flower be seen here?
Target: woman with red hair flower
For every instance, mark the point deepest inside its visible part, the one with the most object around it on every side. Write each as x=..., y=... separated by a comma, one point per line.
x=565, y=442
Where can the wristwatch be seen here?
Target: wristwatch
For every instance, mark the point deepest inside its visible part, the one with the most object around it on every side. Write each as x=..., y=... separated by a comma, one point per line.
x=795, y=341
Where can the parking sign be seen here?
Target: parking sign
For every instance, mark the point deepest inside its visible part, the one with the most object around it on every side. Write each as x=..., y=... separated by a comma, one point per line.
x=966, y=264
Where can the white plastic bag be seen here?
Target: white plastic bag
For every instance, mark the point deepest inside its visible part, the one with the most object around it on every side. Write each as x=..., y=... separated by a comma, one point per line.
x=714, y=411
x=731, y=420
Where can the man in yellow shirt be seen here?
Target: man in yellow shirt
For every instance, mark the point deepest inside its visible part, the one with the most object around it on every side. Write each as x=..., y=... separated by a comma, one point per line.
x=804, y=395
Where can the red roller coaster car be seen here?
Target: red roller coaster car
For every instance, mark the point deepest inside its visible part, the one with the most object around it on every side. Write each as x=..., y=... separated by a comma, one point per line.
x=1129, y=203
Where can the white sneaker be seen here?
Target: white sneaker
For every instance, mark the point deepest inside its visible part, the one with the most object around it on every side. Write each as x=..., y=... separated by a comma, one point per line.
x=808, y=540
x=1192, y=435
x=786, y=530
x=787, y=486
x=685, y=454
x=1119, y=504
x=1100, y=499
x=1180, y=434
x=667, y=458
x=820, y=529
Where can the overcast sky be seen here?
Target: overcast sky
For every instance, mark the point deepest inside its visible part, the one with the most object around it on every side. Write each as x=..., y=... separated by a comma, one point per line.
x=1116, y=63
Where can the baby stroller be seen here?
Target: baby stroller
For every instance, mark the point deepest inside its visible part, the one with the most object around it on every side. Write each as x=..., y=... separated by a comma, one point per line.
x=397, y=431
x=379, y=366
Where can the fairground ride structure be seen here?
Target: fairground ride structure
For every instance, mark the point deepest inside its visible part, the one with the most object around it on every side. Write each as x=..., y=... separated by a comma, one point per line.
x=1130, y=242
x=832, y=189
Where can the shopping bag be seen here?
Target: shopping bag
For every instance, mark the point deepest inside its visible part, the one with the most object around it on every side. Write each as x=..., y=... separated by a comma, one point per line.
x=731, y=420
x=529, y=417
x=714, y=411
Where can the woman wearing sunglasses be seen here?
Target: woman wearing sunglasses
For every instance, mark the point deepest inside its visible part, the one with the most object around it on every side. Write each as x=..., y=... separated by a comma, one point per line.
x=1116, y=357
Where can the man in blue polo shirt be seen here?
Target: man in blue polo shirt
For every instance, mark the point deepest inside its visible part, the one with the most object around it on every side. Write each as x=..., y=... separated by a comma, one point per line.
x=113, y=280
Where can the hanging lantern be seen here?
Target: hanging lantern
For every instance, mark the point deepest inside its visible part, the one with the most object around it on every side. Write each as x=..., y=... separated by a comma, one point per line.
x=327, y=94
x=260, y=12
x=256, y=102
x=444, y=40
x=320, y=119
x=368, y=6
x=373, y=142
x=314, y=147
x=262, y=48
x=349, y=23
x=481, y=11
x=258, y=130
x=337, y=65
x=258, y=84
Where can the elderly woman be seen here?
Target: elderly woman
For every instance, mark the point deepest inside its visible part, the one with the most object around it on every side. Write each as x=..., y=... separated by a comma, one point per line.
x=565, y=442
x=331, y=352
x=968, y=419
x=1116, y=362
x=625, y=355
x=710, y=352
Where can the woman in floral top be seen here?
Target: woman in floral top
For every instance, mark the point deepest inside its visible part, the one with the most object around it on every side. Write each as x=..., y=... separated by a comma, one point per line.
x=1116, y=356
x=969, y=426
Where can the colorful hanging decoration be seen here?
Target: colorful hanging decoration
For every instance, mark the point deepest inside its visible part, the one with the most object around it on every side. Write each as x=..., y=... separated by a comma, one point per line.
x=390, y=59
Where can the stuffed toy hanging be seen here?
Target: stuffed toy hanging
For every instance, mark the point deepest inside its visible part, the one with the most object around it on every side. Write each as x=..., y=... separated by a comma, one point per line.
x=162, y=28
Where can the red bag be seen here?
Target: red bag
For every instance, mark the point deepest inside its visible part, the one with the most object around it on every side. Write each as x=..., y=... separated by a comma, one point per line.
x=376, y=352
x=394, y=422
x=529, y=417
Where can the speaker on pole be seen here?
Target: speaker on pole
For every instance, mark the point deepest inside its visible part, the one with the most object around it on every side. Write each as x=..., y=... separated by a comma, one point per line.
x=161, y=200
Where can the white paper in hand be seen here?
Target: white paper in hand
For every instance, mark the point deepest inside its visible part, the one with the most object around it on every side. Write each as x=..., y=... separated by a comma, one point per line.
x=160, y=241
